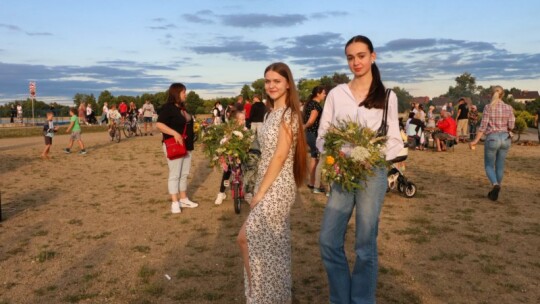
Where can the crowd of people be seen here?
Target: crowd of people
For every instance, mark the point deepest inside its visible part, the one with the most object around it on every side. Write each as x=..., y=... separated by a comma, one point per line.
x=285, y=130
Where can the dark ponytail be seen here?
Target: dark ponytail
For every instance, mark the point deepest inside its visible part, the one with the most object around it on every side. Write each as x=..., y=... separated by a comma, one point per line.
x=376, y=96
x=316, y=90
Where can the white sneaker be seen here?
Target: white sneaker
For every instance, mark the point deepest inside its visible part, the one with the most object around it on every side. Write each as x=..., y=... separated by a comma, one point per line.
x=175, y=207
x=220, y=197
x=226, y=183
x=248, y=197
x=186, y=203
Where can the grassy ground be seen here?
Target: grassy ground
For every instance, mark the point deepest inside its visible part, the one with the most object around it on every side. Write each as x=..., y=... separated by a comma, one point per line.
x=97, y=228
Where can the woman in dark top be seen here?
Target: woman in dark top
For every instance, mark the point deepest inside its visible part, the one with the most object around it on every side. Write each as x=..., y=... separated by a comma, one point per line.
x=312, y=116
x=173, y=119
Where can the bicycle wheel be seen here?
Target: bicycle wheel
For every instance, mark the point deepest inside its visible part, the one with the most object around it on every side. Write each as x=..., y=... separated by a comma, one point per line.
x=127, y=130
x=138, y=131
x=237, y=200
x=117, y=135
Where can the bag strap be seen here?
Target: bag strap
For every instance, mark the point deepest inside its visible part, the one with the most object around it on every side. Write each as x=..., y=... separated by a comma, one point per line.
x=383, y=130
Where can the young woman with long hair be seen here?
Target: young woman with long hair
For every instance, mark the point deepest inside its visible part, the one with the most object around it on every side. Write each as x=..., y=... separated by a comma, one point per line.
x=497, y=121
x=265, y=237
x=361, y=100
x=173, y=119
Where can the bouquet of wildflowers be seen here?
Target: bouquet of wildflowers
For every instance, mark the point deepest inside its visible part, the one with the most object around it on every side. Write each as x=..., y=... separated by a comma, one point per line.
x=227, y=143
x=351, y=153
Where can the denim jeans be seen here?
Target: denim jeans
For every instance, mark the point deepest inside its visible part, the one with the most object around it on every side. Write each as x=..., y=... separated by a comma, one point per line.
x=496, y=147
x=472, y=131
x=360, y=286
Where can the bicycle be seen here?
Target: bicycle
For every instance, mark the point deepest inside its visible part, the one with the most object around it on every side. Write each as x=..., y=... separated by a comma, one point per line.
x=236, y=183
x=132, y=127
x=115, y=133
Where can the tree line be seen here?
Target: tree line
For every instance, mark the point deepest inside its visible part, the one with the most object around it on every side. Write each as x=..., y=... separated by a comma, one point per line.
x=465, y=86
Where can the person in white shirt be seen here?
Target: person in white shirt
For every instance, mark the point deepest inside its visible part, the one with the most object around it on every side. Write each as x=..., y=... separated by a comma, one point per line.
x=361, y=100
x=104, y=114
x=148, y=112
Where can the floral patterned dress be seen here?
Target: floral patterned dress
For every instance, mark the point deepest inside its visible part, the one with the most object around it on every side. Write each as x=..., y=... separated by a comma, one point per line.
x=268, y=225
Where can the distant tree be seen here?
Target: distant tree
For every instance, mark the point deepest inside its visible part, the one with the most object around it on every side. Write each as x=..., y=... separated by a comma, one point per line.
x=246, y=92
x=258, y=87
x=330, y=82
x=465, y=87
x=105, y=97
x=404, y=99
x=305, y=86
x=194, y=103
x=340, y=78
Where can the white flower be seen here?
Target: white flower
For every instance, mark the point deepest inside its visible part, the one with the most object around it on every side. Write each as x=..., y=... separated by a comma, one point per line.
x=360, y=154
x=238, y=133
x=223, y=141
x=220, y=150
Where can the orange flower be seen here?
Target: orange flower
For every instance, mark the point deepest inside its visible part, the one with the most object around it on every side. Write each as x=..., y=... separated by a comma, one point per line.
x=330, y=160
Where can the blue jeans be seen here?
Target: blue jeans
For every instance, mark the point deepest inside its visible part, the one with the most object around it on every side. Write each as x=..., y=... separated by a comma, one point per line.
x=472, y=131
x=496, y=147
x=360, y=286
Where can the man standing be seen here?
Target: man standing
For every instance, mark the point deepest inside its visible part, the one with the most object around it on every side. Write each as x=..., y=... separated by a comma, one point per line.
x=247, y=110
x=473, y=122
x=19, y=113
x=148, y=115
x=13, y=114
x=462, y=118
x=258, y=110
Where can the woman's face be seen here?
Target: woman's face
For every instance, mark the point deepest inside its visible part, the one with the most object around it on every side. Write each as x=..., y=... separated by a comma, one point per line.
x=322, y=95
x=359, y=58
x=183, y=95
x=275, y=85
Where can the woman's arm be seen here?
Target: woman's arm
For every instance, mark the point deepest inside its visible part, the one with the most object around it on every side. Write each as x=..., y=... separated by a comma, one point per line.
x=326, y=120
x=312, y=117
x=163, y=128
x=285, y=138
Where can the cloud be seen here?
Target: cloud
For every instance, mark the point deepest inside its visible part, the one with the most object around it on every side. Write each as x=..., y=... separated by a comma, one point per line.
x=262, y=20
x=412, y=60
x=235, y=47
x=16, y=28
x=162, y=27
x=330, y=14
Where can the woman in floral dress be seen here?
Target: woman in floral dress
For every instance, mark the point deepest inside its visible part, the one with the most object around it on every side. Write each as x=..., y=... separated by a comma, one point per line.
x=265, y=237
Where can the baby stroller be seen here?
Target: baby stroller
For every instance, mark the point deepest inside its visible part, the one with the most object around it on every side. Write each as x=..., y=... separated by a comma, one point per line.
x=396, y=178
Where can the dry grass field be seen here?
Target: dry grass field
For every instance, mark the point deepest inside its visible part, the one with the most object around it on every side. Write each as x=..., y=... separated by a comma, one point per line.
x=97, y=228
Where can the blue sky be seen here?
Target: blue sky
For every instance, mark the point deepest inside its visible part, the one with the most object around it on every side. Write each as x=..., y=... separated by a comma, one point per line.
x=215, y=47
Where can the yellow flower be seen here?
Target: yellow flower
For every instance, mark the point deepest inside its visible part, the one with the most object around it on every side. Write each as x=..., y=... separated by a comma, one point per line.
x=330, y=160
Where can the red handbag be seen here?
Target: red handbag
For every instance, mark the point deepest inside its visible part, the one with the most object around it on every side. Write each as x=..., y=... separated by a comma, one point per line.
x=174, y=149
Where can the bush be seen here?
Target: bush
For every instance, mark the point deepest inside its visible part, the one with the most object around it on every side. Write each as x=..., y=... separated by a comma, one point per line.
x=521, y=125
x=527, y=117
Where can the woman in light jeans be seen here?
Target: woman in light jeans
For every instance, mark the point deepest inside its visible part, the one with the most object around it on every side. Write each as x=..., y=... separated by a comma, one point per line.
x=497, y=121
x=175, y=121
x=361, y=100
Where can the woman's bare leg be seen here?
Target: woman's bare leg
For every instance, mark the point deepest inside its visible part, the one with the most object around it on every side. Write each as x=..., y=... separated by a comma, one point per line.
x=242, y=243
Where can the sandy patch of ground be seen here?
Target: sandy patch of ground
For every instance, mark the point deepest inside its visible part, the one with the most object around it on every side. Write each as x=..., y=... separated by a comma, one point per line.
x=97, y=229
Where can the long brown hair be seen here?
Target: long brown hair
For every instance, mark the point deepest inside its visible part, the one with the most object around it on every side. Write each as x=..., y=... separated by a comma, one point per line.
x=174, y=94
x=292, y=102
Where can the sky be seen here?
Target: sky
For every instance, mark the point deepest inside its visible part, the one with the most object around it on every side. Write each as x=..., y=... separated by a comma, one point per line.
x=217, y=46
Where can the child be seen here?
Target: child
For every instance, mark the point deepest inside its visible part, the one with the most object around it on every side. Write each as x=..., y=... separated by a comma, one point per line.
x=75, y=129
x=48, y=133
x=239, y=119
x=113, y=116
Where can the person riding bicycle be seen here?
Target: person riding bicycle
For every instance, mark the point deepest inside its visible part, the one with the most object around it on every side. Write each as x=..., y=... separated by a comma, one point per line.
x=133, y=114
x=113, y=116
x=239, y=119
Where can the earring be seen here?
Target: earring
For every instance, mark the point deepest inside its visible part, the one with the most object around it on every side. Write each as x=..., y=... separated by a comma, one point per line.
x=372, y=61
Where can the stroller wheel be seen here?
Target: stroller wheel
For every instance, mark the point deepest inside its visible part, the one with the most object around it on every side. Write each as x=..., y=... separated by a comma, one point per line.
x=401, y=187
x=410, y=190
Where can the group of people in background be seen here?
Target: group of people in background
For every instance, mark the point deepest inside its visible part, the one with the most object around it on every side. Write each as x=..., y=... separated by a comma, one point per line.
x=16, y=112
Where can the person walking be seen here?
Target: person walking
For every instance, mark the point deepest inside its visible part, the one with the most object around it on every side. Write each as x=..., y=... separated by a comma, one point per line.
x=104, y=112
x=312, y=116
x=258, y=111
x=148, y=115
x=362, y=99
x=498, y=121
x=175, y=121
x=75, y=128
x=462, y=118
x=472, y=118
x=265, y=237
